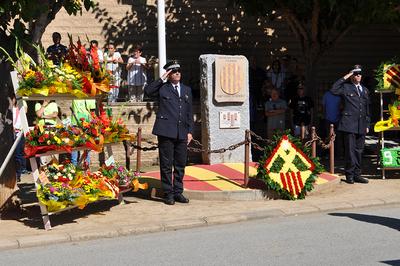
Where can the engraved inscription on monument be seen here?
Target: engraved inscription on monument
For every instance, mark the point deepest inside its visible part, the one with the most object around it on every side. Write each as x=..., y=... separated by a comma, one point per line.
x=229, y=119
x=230, y=81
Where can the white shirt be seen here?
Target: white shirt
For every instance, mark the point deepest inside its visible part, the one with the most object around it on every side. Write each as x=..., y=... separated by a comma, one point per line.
x=136, y=74
x=111, y=66
x=16, y=118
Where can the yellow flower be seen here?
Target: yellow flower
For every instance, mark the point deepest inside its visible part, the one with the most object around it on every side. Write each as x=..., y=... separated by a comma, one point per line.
x=57, y=139
x=30, y=74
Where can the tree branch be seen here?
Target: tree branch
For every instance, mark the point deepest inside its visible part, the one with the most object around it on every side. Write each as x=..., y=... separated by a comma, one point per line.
x=315, y=22
x=297, y=28
x=40, y=24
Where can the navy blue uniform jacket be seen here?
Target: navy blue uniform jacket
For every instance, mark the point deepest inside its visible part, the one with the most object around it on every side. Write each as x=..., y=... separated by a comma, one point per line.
x=355, y=115
x=174, y=116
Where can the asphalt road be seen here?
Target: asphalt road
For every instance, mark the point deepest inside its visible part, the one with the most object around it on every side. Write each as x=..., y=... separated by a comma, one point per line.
x=355, y=237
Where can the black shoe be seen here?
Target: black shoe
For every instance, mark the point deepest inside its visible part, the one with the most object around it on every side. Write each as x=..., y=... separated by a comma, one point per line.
x=169, y=201
x=349, y=180
x=360, y=179
x=180, y=198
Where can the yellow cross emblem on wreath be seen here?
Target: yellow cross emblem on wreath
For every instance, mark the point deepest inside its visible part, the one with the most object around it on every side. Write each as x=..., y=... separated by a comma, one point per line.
x=289, y=176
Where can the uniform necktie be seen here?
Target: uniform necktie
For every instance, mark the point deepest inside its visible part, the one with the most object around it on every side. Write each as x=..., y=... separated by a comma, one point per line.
x=359, y=90
x=176, y=89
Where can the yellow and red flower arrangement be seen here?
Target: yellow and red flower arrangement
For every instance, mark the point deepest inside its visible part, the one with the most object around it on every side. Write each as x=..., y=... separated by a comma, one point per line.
x=91, y=134
x=287, y=167
x=64, y=185
x=76, y=75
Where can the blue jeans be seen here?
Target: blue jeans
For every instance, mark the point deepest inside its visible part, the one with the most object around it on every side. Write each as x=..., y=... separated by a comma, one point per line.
x=19, y=156
x=75, y=155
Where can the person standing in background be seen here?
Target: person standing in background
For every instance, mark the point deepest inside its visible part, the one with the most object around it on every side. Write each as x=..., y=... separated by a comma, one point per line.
x=137, y=78
x=57, y=51
x=276, y=75
x=275, y=109
x=81, y=109
x=19, y=151
x=302, y=106
x=47, y=113
x=332, y=107
x=100, y=55
x=113, y=59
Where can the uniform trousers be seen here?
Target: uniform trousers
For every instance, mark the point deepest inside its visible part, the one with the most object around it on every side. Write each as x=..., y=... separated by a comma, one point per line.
x=354, y=146
x=172, y=152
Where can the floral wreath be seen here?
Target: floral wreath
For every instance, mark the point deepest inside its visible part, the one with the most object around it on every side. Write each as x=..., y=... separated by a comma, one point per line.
x=287, y=167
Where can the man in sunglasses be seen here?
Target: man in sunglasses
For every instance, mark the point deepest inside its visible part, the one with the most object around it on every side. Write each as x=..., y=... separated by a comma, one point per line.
x=173, y=127
x=354, y=121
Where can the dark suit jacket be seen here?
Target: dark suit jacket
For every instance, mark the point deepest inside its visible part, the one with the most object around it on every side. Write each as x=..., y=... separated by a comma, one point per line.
x=174, y=116
x=355, y=115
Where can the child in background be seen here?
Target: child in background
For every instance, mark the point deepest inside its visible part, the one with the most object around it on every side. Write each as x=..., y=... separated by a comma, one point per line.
x=136, y=75
x=275, y=109
x=113, y=59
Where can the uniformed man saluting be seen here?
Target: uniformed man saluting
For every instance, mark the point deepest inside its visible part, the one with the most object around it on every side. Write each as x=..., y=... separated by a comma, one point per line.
x=173, y=127
x=354, y=121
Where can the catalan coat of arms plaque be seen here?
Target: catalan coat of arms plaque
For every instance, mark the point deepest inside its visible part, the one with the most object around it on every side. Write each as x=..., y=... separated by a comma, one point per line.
x=230, y=79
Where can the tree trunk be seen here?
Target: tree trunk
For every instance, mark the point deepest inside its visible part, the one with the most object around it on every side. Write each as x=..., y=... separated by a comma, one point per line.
x=312, y=88
x=8, y=180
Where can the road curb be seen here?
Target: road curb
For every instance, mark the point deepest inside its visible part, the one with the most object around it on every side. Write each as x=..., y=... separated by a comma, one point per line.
x=172, y=225
x=6, y=244
x=42, y=240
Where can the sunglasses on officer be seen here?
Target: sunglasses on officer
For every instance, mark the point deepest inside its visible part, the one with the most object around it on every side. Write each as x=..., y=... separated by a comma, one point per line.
x=175, y=70
x=357, y=73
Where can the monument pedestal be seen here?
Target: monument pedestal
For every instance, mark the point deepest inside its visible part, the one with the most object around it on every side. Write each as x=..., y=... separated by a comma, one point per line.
x=224, y=94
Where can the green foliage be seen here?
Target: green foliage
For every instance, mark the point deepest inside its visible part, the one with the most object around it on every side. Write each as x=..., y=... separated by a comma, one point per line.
x=19, y=19
x=271, y=184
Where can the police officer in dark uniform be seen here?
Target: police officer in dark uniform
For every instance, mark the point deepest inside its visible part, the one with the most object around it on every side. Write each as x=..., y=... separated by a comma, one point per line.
x=354, y=121
x=173, y=127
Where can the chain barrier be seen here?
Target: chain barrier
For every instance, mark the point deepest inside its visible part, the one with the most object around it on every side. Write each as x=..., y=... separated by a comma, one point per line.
x=200, y=149
x=316, y=139
x=221, y=150
x=191, y=149
x=320, y=142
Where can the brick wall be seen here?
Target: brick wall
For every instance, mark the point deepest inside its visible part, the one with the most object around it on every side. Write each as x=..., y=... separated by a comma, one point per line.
x=208, y=26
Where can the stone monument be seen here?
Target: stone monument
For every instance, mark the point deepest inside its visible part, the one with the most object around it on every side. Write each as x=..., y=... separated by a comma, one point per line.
x=224, y=95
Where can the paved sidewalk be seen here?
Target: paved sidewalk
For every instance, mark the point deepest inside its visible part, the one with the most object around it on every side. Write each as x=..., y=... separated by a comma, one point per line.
x=143, y=215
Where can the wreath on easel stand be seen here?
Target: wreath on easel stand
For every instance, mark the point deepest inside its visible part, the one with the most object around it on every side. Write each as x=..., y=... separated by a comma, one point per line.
x=287, y=167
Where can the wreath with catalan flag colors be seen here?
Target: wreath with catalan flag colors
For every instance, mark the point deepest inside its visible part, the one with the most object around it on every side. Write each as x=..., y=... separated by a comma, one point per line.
x=287, y=167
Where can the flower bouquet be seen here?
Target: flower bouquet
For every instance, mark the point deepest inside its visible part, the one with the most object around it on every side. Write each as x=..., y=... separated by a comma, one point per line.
x=64, y=185
x=123, y=178
x=42, y=139
x=77, y=75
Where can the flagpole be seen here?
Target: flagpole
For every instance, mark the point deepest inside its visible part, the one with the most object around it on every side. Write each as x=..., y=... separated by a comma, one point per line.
x=161, y=36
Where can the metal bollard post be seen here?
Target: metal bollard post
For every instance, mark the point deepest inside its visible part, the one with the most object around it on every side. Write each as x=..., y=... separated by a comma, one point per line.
x=246, y=157
x=302, y=132
x=314, y=143
x=139, y=151
x=331, y=150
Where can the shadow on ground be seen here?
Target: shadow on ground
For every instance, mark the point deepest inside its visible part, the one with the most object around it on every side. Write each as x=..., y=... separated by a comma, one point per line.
x=393, y=223
x=29, y=211
x=392, y=262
